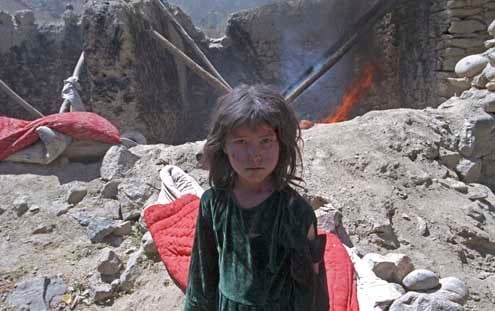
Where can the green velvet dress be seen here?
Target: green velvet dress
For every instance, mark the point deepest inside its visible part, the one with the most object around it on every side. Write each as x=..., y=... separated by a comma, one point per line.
x=252, y=259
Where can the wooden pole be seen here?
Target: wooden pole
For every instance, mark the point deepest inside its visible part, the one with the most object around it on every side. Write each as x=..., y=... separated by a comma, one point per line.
x=193, y=44
x=19, y=99
x=77, y=69
x=209, y=78
x=335, y=53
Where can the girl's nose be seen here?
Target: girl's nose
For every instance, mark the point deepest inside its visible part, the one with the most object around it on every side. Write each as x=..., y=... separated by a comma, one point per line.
x=254, y=153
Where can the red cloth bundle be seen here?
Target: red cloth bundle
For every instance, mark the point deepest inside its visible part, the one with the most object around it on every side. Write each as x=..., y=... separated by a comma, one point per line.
x=18, y=134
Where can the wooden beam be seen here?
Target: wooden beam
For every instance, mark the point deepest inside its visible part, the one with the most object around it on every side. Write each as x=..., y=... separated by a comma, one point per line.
x=193, y=44
x=338, y=50
x=209, y=78
x=19, y=99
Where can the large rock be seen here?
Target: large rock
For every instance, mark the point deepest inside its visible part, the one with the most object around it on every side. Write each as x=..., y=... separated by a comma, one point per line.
x=421, y=280
x=117, y=161
x=38, y=294
x=413, y=301
x=470, y=66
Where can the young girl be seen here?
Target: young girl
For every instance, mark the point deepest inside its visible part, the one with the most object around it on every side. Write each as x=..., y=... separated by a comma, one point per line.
x=255, y=246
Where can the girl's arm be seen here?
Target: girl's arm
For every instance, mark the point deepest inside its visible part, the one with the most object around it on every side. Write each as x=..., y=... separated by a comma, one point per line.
x=312, y=237
x=202, y=287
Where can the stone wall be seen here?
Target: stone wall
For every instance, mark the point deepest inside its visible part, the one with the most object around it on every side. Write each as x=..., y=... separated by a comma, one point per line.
x=34, y=61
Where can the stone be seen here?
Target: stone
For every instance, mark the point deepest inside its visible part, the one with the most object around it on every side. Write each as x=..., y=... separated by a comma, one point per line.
x=464, y=43
x=455, y=184
x=21, y=205
x=123, y=229
x=148, y=245
x=379, y=265
x=132, y=270
x=402, y=266
x=478, y=191
x=489, y=105
x=449, y=158
x=109, y=262
x=38, y=294
x=490, y=86
x=490, y=43
x=117, y=161
x=42, y=229
x=76, y=194
x=421, y=280
x=471, y=66
x=460, y=83
x=33, y=209
x=99, y=228
x=113, y=209
x=413, y=301
x=455, y=4
x=469, y=170
x=479, y=81
x=462, y=12
x=489, y=72
x=101, y=292
x=491, y=29
x=466, y=26
x=110, y=189
x=422, y=226
x=452, y=289
x=133, y=195
x=476, y=212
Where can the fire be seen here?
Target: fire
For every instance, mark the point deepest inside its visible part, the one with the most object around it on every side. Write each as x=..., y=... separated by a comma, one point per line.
x=352, y=95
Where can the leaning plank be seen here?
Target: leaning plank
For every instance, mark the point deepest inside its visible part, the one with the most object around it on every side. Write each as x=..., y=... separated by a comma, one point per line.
x=335, y=53
x=19, y=99
x=209, y=78
x=193, y=44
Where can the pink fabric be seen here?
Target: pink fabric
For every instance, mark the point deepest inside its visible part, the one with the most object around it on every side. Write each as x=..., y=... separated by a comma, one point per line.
x=172, y=227
x=17, y=134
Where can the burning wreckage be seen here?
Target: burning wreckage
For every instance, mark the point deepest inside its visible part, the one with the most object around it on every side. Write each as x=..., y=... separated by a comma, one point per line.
x=376, y=282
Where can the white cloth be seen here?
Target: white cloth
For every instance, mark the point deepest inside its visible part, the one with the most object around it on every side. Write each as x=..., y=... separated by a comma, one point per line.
x=70, y=94
x=176, y=183
x=374, y=294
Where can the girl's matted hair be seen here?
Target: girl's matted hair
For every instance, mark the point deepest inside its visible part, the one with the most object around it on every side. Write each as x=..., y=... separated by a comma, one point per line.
x=249, y=106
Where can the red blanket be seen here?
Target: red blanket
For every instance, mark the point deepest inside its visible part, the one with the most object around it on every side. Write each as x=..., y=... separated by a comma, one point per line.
x=172, y=227
x=18, y=134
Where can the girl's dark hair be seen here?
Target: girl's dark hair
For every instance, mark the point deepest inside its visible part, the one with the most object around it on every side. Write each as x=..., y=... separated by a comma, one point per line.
x=249, y=106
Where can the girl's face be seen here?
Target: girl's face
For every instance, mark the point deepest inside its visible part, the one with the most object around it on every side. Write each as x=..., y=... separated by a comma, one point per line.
x=253, y=153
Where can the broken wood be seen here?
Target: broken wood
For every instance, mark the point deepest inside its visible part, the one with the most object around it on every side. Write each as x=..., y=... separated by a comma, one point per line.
x=208, y=77
x=19, y=99
x=338, y=49
x=193, y=44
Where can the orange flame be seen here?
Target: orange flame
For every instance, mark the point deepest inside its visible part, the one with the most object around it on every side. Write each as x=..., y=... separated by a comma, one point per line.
x=352, y=95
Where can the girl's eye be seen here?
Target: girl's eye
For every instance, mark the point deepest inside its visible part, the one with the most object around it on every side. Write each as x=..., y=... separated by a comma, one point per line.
x=239, y=141
x=265, y=141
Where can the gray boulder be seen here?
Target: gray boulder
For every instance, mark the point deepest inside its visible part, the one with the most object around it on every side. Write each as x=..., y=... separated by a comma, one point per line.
x=39, y=294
